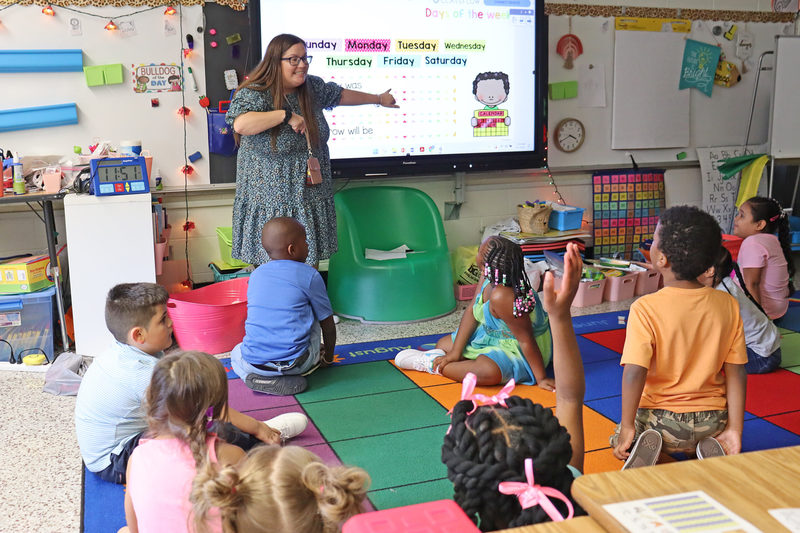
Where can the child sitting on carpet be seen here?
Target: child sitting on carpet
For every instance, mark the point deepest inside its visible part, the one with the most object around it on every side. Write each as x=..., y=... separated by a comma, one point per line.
x=765, y=258
x=761, y=336
x=677, y=343
x=287, y=303
x=279, y=490
x=188, y=393
x=109, y=415
x=491, y=439
x=505, y=335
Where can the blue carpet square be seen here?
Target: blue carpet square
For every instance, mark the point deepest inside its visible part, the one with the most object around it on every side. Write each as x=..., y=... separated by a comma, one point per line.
x=762, y=435
x=104, y=509
x=591, y=352
x=603, y=379
x=601, y=322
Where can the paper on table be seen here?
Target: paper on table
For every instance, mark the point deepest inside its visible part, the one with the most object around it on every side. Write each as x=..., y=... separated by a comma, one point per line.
x=592, y=86
x=788, y=517
x=678, y=512
x=383, y=255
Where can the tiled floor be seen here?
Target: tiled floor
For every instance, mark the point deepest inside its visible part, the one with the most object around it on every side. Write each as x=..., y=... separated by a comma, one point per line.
x=39, y=460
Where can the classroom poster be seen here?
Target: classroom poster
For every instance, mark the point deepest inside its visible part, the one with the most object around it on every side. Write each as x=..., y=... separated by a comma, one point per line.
x=154, y=78
x=699, y=65
x=627, y=204
x=719, y=195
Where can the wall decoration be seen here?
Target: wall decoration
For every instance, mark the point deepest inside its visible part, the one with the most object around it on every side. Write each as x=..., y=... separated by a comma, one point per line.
x=155, y=78
x=699, y=64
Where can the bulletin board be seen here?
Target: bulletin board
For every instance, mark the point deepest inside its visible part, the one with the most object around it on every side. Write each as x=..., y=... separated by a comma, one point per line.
x=717, y=121
x=113, y=111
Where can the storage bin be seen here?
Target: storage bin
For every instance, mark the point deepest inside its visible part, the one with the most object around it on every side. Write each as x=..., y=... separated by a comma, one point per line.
x=567, y=219
x=224, y=272
x=211, y=318
x=26, y=322
x=590, y=292
x=620, y=288
x=225, y=237
x=465, y=292
x=647, y=281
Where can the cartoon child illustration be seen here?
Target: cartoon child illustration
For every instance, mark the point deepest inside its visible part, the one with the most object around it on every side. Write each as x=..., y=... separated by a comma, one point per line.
x=175, y=82
x=491, y=89
x=141, y=84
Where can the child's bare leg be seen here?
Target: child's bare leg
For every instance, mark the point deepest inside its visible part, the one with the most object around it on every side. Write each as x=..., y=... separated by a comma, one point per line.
x=487, y=372
x=445, y=343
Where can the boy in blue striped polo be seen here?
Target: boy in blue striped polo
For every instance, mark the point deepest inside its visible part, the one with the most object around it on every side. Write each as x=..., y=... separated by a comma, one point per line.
x=109, y=415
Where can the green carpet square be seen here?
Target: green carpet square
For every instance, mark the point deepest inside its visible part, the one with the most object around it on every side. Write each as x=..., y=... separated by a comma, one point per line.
x=795, y=369
x=440, y=489
x=790, y=350
x=350, y=418
x=397, y=459
x=346, y=381
x=784, y=331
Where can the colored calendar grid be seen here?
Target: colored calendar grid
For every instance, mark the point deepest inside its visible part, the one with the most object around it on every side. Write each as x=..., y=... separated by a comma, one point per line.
x=627, y=205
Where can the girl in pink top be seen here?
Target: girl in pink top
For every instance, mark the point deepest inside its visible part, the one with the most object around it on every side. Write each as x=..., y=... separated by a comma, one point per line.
x=765, y=258
x=188, y=391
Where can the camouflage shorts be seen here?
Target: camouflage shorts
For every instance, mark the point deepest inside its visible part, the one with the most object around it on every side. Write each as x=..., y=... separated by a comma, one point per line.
x=680, y=431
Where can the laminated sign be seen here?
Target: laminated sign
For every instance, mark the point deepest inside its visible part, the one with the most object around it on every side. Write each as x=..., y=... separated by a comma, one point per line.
x=699, y=66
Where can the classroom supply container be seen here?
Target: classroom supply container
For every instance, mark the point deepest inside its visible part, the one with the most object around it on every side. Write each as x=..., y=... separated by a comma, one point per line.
x=732, y=243
x=465, y=292
x=534, y=218
x=210, y=318
x=590, y=292
x=620, y=288
x=442, y=516
x=647, y=281
x=564, y=217
x=26, y=322
x=225, y=237
x=794, y=229
x=25, y=274
x=225, y=272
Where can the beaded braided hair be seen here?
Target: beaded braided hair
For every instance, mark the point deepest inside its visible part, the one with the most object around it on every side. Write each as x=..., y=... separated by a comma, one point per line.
x=490, y=445
x=503, y=264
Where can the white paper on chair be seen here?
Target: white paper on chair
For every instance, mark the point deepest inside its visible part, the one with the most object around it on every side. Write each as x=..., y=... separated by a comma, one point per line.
x=383, y=255
x=678, y=512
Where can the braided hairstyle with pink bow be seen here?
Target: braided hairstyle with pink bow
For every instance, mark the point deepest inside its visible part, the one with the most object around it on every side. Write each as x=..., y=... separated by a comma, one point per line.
x=487, y=447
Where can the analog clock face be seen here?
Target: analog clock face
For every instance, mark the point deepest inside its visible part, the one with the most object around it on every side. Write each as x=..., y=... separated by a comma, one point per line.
x=569, y=135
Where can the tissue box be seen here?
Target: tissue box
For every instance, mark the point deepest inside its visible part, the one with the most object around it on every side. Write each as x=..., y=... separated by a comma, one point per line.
x=25, y=274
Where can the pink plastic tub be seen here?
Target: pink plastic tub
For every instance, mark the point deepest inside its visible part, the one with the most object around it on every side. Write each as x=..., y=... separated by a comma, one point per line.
x=647, y=281
x=620, y=287
x=210, y=319
x=589, y=292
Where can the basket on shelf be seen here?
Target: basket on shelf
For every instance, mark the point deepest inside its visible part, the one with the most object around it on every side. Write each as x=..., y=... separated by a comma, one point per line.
x=534, y=219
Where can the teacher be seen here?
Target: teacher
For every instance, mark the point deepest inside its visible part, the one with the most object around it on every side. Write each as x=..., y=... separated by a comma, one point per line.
x=276, y=113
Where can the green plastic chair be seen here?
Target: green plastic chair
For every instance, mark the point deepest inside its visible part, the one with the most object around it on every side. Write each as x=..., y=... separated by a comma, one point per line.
x=419, y=287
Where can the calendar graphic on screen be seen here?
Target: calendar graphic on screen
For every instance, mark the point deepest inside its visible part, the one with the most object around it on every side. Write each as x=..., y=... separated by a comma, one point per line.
x=627, y=204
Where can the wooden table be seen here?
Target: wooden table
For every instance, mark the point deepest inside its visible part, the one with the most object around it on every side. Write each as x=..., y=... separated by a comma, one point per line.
x=581, y=524
x=747, y=484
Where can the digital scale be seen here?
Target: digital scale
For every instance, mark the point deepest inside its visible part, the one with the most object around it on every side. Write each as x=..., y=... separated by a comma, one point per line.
x=119, y=175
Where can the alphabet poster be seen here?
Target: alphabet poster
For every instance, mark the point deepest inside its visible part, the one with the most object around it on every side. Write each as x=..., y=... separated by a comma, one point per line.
x=154, y=78
x=719, y=195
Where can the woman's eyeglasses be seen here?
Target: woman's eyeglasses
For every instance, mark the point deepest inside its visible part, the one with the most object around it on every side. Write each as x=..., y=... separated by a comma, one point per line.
x=294, y=60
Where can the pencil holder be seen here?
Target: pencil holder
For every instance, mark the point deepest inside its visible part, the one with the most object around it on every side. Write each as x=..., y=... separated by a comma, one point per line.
x=534, y=219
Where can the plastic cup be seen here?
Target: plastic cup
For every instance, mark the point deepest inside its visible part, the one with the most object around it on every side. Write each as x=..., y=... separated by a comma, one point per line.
x=132, y=148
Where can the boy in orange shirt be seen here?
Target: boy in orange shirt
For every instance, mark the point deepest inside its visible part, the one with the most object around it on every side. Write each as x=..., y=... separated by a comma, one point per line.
x=678, y=342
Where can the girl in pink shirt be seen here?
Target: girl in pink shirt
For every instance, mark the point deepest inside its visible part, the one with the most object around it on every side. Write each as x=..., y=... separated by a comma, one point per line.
x=765, y=258
x=187, y=393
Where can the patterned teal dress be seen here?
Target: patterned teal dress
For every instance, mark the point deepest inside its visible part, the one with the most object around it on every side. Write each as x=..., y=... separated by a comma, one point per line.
x=493, y=338
x=272, y=183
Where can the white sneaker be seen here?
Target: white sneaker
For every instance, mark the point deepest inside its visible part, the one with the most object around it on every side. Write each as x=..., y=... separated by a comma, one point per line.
x=336, y=319
x=418, y=360
x=289, y=424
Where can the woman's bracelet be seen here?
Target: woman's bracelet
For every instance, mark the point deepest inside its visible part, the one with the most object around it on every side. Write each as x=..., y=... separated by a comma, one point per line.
x=379, y=101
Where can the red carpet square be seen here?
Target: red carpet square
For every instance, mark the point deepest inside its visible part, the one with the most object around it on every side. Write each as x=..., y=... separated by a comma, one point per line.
x=770, y=394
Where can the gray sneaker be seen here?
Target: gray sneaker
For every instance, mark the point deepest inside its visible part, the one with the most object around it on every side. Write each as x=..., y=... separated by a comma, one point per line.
x=709, y=447
x=646, y=450
x=276, y=385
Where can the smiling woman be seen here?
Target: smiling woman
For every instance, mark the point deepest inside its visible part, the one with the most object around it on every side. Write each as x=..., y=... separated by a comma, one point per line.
x=277, y=116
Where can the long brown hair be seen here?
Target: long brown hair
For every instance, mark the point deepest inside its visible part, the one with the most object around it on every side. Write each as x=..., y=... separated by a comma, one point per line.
x=182, y=388
x=279, y=490
x=268, y=76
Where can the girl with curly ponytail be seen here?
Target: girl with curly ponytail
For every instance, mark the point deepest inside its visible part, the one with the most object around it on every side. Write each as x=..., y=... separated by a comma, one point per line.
x=279, y=490
x=499, y=449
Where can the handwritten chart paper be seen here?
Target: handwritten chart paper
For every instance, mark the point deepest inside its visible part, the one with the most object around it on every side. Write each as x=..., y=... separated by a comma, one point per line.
x=719, y=195
x=678, y=513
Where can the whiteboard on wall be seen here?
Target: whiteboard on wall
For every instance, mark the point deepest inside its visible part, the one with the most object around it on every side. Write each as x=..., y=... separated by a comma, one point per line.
x=785, y=122
x=109, y=112
x=649, y=111
x=717, y=121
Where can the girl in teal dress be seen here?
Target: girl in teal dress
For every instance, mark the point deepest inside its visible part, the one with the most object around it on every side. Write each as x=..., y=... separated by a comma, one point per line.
x=505, y=335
